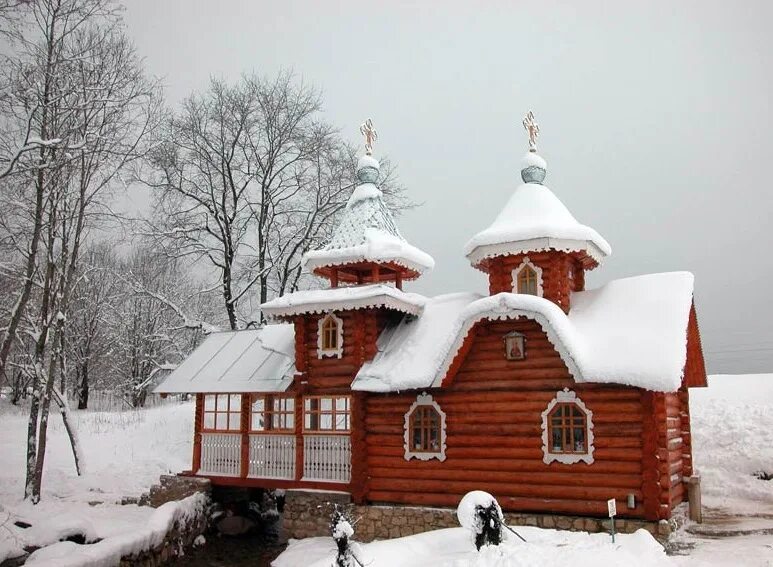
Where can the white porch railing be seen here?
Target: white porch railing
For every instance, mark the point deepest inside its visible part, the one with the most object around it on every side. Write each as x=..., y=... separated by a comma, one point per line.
x=272, y=456
x=221, y=454
x=327, y=458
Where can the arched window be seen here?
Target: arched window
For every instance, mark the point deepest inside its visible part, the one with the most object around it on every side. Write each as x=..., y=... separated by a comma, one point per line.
x=425, y=430
x=567, y=430
x=527, y=278
x=330, y=336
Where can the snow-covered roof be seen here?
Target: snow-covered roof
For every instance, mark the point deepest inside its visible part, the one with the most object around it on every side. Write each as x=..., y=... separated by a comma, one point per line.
x=253, y=360
x=535, y=219
x=368, y=232
x=631, y=331
x=340, y=298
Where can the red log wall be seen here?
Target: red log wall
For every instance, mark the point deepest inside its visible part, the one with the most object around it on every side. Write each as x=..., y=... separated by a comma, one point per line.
x=555, y=266
x=494, y=437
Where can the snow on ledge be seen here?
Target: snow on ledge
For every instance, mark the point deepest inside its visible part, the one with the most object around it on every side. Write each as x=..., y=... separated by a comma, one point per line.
x=377, y=247
x=110, y=550
x=631, y=331
x=344, y=298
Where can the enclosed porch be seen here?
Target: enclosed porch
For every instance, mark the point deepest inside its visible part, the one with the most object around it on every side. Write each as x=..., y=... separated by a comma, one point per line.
x=273, y=440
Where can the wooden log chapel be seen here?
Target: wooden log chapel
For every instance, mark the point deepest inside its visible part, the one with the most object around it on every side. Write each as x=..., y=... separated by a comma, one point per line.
x=551, y=397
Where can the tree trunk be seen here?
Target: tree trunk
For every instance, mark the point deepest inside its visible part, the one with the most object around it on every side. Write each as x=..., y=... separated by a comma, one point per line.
x=77, y=453
x=82, y=375
x=230, y=306
x=45, y=407
x=32, y=438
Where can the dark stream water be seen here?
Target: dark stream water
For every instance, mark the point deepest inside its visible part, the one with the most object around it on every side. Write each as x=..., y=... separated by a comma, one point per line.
x=256, y=549
x=225, y=551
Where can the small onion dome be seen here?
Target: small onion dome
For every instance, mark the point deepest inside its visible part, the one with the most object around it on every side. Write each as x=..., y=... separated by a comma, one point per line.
x=533, y=168
x=367, y=169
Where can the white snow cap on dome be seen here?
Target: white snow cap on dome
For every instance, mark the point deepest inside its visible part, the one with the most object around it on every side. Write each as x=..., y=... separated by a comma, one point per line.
x=367, y=161
x=533, y=159
x=367, y=231
x=535, y=219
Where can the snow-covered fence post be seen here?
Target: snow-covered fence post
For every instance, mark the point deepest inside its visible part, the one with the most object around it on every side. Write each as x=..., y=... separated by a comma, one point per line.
x=480, y=513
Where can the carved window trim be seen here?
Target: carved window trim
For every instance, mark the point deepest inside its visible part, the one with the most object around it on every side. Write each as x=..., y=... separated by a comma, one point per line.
x=424, y=401
x=567, y=397
x=526, y=263
x=338, y=350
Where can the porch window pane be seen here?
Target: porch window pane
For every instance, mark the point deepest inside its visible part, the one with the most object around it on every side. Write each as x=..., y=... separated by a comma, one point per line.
x=209, y=402
x=327, y=413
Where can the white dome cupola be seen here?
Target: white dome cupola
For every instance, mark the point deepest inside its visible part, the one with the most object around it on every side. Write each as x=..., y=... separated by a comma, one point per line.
x=366, y=245
x=535, y=229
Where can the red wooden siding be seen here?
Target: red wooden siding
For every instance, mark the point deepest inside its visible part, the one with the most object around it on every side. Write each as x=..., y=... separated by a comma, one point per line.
x=555, y=266
x=331, y=374
x=695, y=367
x=494, y=435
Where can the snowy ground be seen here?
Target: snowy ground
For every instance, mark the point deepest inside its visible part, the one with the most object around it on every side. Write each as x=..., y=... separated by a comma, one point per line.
x=125, y=452
x=454, y=548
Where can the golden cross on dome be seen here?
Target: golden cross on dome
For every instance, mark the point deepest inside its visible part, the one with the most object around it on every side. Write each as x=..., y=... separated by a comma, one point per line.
x=367, y=130
x=533, y=129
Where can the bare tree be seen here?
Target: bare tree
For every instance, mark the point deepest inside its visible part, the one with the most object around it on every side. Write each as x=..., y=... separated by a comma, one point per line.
x=75, y=81
x=202, y=176
x=150, y=332
x=246, y=179
x=89, y=331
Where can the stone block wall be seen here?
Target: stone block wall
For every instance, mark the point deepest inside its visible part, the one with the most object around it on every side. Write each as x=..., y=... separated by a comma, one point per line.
x=179, y=539
x=173, y=487
x=307, y=514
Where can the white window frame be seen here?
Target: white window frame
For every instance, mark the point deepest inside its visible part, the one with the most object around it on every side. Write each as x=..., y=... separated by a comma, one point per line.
x=424, y=399
x=537, y=270
x=330, y=352
x=568, y=397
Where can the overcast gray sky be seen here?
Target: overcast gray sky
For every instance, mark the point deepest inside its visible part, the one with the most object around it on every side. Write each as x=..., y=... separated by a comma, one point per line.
x=655, y=116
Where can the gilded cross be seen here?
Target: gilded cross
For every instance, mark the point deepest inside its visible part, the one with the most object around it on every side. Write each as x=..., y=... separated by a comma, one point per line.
x=533, y=129
x=367, y=130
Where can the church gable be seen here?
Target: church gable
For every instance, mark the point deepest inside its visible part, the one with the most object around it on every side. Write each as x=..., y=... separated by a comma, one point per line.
x=695, y=367
x=505, y=355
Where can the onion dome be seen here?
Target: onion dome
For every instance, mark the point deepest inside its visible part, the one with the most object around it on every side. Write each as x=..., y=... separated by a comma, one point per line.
x=367, y=234
x=534, y=219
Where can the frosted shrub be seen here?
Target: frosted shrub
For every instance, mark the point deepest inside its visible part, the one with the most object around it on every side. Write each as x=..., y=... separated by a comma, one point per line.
x=480, y=513
x=342, y=531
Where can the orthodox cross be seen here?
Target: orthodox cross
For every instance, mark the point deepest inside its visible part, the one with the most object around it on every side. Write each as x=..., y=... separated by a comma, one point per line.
x=533, y=129
x=370, y=134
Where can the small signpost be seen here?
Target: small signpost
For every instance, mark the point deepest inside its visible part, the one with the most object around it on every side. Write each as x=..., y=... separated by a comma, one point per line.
x=612, y=507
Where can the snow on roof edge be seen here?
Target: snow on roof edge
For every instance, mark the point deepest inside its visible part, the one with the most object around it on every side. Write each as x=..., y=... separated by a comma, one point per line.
x=660, y=304
x=342, y=298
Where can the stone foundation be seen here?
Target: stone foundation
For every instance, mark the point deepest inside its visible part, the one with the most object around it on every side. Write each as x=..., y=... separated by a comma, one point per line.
x=173, y=487
x=176, y=541
x=307, y=514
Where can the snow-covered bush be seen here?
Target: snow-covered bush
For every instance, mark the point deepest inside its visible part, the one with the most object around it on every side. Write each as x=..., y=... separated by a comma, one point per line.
x=341, y=529
x=479, y=512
